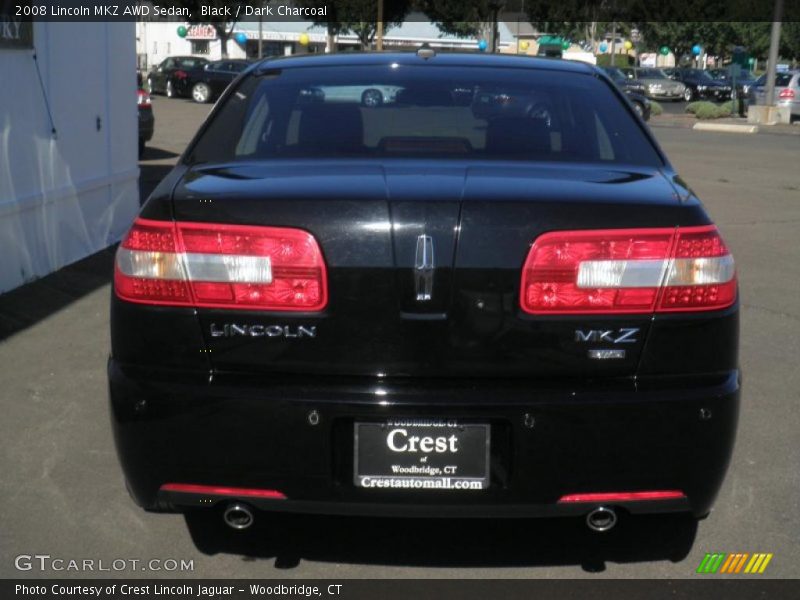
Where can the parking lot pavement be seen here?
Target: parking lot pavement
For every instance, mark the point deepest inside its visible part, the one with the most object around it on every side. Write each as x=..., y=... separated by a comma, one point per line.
x=63, y=494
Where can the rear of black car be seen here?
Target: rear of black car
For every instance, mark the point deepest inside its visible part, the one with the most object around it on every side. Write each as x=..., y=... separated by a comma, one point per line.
x=489, y=296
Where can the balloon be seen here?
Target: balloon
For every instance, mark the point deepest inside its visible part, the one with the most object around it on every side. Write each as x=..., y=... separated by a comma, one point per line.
x=304, y=39
x=565, y=45
x=524, y=45
x=664, y=50
x=697, y=50
x=628, y=45
x=240, y=38
x=603, y=47
x=482, y=45
x=182, y=31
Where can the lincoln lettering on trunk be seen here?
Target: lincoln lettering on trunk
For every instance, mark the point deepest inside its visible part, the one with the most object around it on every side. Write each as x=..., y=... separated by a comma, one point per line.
x=229, y=330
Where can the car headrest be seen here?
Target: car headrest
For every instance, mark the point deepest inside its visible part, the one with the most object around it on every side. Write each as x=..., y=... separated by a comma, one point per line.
x=517, y=135
x=424, y=97
x=331, y=127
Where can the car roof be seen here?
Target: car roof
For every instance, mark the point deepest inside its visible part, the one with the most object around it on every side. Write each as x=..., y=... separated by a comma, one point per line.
x=454, y=59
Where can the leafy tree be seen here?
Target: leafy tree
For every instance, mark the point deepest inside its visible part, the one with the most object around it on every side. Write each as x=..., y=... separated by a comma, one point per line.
x=359, y=17
x=790, y=40
x=465, y=17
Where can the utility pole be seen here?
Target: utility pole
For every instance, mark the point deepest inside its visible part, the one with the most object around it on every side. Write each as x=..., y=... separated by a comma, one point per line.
x=379, y=32
x=613, y=43
x=494, y=33
x=260, y=35
x=774, y=41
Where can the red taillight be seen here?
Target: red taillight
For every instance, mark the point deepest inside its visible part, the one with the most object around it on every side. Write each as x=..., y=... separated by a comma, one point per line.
x=181, y=74
x=222, y=266
x=787, y=94
x=613, y=271
x=142, y=98
x=623, y=496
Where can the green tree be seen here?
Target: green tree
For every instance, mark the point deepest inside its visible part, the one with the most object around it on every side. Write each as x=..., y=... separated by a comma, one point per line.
x=790, y=40
x=464, y=17
x=359, y=17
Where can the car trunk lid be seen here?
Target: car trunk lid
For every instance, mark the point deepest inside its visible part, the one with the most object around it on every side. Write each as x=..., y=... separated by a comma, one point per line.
x=424, y=260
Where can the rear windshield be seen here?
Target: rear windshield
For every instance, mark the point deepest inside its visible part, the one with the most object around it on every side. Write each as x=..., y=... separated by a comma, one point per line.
x=431, y=112
x=652, y=74
x=783, y=79
x=190, y=63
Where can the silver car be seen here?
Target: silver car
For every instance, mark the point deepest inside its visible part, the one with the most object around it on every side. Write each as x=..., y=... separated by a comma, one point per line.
x=787, y=91
x=656, y=83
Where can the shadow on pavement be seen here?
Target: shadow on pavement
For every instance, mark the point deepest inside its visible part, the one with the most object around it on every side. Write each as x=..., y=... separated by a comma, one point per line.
x=291, y=538
x=28, y=304
x=151, y=153
x=151, y=174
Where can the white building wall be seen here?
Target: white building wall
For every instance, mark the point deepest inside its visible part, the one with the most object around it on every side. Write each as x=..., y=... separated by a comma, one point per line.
x=65, y=196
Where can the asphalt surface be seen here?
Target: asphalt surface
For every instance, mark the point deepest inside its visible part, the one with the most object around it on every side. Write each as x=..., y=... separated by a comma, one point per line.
x=63, y=494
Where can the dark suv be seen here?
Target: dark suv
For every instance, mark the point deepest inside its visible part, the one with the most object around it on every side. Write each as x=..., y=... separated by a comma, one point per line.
x=422, y=308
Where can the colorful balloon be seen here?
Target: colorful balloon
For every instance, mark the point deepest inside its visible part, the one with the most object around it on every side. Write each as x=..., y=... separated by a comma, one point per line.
x=182, y=31
x=304, y=39
x=565, y=45
x=524, y=45
x=603, y=47
x=664, y=50
x=697, y=50
x=628, y=44
x=240, y=38
x=482, y=45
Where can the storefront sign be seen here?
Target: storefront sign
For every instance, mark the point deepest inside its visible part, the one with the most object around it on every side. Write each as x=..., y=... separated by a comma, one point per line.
x=201, y=32
x=14, y=32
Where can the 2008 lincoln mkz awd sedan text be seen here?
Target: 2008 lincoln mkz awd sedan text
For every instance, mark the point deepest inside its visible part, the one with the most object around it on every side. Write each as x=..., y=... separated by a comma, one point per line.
x=486, y=294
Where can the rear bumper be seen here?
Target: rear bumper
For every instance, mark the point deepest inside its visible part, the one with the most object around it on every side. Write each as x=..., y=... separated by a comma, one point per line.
x=173, y=427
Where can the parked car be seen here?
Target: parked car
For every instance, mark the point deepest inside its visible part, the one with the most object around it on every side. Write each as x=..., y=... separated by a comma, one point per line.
x=744, y=80
x=370, y=95
x=208, y=84
x=657, y=83
x=633, y=89
x=787, y=91
x=700, y=85
x=173, y=76
x=146, y=119
x=419, y=310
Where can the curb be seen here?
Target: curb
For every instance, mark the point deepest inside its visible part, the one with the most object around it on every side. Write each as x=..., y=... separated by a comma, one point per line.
x=725, y=127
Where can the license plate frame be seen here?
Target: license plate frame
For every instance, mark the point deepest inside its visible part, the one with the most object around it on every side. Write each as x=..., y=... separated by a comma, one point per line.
x=456, y=455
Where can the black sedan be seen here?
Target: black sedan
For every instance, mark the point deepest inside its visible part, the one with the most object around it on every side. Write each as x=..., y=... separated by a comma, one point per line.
x=208, y=84
x=635, y=90
x=417, y=309
x=744, y=79
x=701, y=85
x=173, y=75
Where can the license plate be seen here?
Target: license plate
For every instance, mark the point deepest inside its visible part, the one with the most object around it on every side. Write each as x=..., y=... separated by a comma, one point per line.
x=421, y=454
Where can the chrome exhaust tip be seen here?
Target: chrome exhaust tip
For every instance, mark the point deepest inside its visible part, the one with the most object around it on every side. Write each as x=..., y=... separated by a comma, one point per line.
x=601, y=519
x=238, y=516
